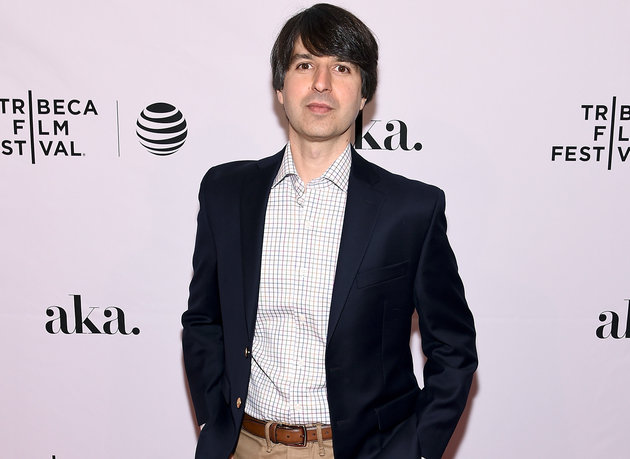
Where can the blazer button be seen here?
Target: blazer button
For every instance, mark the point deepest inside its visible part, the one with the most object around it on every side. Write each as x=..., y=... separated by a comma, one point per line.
x=247, y=352
x=238, y=402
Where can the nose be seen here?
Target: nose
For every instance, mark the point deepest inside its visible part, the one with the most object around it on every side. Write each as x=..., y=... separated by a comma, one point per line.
x=321, y=80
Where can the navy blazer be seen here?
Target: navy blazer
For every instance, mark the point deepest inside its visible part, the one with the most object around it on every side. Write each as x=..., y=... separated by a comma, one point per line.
x=394, y=257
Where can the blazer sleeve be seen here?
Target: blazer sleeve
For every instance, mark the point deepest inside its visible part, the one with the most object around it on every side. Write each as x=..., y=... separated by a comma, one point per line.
x=202, y=337
x=448, y=338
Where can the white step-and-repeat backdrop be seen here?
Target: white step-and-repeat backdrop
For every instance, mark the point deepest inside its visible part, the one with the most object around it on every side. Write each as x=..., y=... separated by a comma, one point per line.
x=519, y=110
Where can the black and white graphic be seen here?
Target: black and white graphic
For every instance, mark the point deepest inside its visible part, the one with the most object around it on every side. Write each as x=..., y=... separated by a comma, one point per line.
x=611, y=324
x=91, y=320
x=41, y=127
x=162, y=129
x=611, y=136
x=373, y=137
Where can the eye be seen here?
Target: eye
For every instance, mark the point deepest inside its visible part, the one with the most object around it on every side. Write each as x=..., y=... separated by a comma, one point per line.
x=342, y=68
x=303, y=66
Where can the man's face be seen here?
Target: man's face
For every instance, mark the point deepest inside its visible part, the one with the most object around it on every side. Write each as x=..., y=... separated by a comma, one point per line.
x=321, y=96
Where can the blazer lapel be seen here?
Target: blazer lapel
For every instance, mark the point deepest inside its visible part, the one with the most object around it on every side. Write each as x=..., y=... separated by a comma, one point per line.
x=254, y=197
x=362, y=207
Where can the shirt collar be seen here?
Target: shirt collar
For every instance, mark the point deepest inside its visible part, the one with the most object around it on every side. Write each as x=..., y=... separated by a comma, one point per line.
x=338, y=172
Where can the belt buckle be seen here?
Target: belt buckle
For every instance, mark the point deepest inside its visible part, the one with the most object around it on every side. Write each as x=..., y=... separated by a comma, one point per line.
x=304, y=442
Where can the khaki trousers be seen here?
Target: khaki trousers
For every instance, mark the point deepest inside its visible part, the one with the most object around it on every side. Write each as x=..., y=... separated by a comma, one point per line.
x=252, y=447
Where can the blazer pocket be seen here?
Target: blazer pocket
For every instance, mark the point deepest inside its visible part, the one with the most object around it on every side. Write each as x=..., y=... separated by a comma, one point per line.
x=381, y=274
x=397, y=410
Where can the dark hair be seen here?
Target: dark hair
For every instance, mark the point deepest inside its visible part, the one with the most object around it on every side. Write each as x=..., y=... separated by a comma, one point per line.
x=327, y=30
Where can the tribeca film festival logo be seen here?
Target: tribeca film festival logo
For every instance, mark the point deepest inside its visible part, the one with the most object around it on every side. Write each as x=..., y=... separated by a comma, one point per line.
x=87, y=321
x=399, y=137
x=611, y=139
x=161, y=129
x=41, y=127
x=610, y=327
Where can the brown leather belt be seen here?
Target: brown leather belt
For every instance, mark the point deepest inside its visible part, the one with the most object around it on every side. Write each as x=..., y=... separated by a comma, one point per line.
x=285, y=434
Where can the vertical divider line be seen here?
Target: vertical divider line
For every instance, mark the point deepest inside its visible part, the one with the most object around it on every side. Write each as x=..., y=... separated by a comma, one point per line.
x=612, y=132
x=118, y=128
x=32, y=125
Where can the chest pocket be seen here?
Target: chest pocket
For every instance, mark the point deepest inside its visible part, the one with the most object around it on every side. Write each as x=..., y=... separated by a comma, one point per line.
x=381, y=274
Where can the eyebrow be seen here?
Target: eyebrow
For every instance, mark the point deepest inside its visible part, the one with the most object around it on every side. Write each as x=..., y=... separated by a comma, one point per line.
x=309, y=56
x=296, y=57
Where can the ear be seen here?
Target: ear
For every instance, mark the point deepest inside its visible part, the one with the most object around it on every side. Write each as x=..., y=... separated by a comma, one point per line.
x=280, y=97
x=363, y=102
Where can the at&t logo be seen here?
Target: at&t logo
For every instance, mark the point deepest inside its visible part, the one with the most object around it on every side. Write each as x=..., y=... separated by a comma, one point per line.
x=161, y=129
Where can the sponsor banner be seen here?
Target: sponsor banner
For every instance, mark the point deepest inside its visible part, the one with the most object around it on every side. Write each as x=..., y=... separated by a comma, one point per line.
x=111, y=113
x=610, y=127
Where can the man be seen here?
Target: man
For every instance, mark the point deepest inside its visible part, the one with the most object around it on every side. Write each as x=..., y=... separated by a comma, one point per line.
x=308, y=266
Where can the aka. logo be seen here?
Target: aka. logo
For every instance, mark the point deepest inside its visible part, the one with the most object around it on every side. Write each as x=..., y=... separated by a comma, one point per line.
x=610, y=327
x=62, y=321
x=611, y=140
x=398, y=137
x=162, y=129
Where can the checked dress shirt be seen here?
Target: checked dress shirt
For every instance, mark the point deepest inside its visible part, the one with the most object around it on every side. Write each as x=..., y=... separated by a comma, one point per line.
x=301, y=239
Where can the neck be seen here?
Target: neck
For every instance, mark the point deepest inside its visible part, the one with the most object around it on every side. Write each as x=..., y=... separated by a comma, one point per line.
x=312, y=159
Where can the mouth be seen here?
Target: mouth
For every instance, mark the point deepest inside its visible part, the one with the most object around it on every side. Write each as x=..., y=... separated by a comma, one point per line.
x=319, y=107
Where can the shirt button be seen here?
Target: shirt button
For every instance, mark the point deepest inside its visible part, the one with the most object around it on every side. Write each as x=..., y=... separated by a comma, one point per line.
x=238, y=402
x=302, y=318
x=298, y=407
